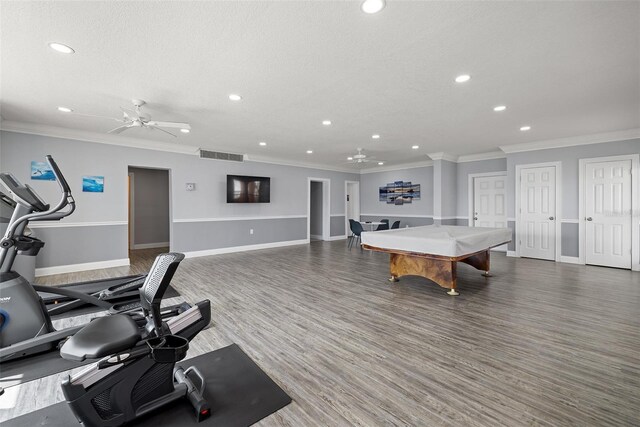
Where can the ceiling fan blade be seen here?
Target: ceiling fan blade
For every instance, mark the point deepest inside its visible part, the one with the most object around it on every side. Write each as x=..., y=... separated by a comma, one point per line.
x=155, y=127
x=119, y=129
x=98, y=117
x=169, y=124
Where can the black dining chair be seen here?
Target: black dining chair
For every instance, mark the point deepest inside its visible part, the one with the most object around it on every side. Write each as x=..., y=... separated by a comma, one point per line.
x=396, y=224
x=356, y=230
x=384, y=225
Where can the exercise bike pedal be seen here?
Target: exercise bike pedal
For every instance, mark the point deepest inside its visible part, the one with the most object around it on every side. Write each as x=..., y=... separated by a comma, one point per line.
x=195, y=395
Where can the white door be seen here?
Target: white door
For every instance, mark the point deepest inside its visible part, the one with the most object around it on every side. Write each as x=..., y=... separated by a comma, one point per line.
x=537, y=226
x=489, y=194
x=608, y=213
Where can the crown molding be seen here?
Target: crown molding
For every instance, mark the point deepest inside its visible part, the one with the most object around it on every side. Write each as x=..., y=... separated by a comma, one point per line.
x=274, y=161
x=598, y=138
x=482, y=156
x=443, y=156
x=100, y=138
x=404, y=166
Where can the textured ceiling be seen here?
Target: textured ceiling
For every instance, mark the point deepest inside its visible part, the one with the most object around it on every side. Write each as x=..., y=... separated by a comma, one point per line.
x=565, y=68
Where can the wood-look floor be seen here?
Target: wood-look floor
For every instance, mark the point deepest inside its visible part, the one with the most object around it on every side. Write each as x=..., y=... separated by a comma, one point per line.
x=537, y=344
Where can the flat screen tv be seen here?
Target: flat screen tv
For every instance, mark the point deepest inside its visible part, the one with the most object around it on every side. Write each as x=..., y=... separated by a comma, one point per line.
x=248, y=189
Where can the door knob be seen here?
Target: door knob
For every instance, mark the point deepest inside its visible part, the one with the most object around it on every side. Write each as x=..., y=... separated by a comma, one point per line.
x=475, y=218
x=589, y=218
x=551, y=218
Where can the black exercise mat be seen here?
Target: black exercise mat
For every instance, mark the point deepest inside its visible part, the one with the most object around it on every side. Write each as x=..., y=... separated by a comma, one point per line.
x=239, y=392
x=33, y=367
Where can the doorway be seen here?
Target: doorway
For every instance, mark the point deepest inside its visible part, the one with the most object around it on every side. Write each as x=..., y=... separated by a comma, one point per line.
x=352, y=203
x=318, y=209
x=487, y=201
x=538, y=211
x=606, y=217
x=148, y=215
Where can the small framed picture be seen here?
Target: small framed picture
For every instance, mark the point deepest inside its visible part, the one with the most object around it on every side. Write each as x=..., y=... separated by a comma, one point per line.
x=41, y=171
x=93, y=184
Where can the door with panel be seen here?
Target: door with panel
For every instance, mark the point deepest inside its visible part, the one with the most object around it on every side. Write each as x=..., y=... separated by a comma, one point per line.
x=537, y=228
x=608, y=213
x=489, y=203
x=489, y=193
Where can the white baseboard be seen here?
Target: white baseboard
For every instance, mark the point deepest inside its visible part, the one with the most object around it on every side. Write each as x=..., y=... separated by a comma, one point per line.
x=570, y=259
x=72, y=268
x=208, y=252
x=151, y=245
x=512, y=254
x=316, y=237
x=337, y=237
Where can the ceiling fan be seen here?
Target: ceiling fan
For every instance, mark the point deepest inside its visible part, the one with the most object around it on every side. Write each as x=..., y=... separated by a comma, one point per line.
x=360, y=157
x=135, y=119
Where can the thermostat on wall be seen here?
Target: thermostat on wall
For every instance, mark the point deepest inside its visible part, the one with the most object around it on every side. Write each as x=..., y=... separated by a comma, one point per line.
x=190, y=186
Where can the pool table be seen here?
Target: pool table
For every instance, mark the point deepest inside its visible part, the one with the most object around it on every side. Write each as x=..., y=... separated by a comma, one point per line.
x=433, y=251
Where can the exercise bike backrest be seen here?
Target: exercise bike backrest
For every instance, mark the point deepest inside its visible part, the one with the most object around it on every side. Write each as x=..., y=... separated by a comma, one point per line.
x=31, y=207
x=155, y=285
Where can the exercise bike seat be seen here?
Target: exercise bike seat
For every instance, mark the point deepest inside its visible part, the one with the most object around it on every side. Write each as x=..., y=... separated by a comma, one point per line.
x=102, y=337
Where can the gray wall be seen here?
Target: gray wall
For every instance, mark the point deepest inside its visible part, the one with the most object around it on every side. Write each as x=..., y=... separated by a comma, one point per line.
x=151, y=205
x=315, y=211
x=569, y=157
x=463, y=172
x=370, y=183
x=449, y=189
x=201, y=219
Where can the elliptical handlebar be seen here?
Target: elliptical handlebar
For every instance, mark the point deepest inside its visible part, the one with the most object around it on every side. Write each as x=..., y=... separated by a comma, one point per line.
x=52, y=214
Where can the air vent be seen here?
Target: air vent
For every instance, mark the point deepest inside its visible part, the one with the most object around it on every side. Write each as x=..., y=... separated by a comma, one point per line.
x=205, y=154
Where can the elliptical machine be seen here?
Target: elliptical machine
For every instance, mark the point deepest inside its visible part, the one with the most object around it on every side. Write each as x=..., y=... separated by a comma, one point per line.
x=25, y=321
x=137, y=372
x=28, y=206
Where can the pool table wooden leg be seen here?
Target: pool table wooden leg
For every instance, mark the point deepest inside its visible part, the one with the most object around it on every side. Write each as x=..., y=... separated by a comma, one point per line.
x=443, y=272
x=480, y=261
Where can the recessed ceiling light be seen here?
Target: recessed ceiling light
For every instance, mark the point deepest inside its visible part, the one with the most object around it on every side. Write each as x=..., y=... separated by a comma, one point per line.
x=463, y=78
x=373, y=6
x=380, y=163
x=185, y=130
x=415, y=147
x=349, y=158
x=262, y=143
x=62, y=48
x=500, y=108
x=309, y=152
x=65, y=109
x=525, y=128
x=235, y=97
x=376, y=136
x=326, y=122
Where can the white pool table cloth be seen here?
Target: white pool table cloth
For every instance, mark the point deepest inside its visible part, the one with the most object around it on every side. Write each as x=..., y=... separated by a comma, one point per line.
x=444, y=240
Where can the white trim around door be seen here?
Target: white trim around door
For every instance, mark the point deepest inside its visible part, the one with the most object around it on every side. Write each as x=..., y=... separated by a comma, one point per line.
x=635, y=206
x=347, y=228
x=326, y=207
x=471, y=189
x=558, y=215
